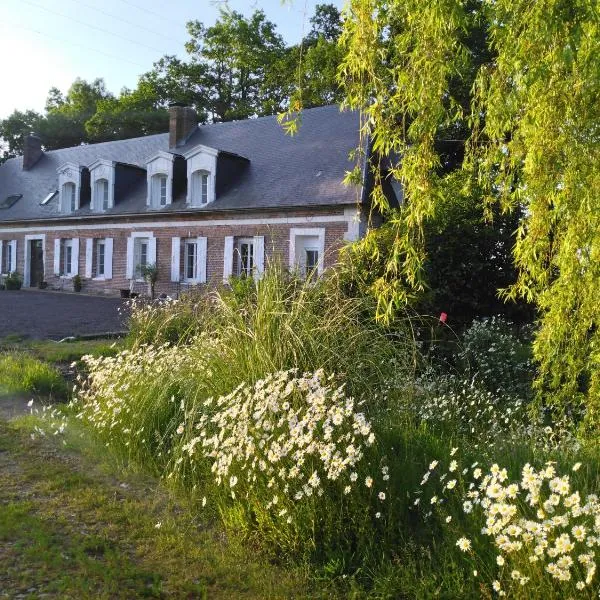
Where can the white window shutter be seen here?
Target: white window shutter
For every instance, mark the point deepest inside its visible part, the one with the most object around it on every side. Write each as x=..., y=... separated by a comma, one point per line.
x=129, y=267
x=152, y=251
x=57, y=256
x=89, y=251
x=1, y=263
x=201, y=254
x=175, y=258
x=259, y=256
x=108, y=258
x=228, y=258
x=75, y=257
x=13, y=256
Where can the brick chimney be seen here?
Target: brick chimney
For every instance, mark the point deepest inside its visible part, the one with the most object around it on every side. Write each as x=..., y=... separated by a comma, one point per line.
x=32, y=151
x=182, y=123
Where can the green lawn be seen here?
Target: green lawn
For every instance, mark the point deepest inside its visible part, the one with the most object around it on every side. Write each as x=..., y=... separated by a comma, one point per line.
x=74, y=525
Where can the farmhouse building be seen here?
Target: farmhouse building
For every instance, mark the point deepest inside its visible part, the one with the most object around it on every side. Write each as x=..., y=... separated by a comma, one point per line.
x=201, y=203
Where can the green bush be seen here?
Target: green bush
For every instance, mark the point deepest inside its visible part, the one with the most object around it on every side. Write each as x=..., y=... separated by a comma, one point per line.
x=20, y=373
x=13, y=281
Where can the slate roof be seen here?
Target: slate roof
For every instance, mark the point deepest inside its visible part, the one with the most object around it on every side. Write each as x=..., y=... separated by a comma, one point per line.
x=301, y=171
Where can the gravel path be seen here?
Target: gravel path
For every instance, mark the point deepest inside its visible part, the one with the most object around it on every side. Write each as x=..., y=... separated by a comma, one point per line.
x=55, y=315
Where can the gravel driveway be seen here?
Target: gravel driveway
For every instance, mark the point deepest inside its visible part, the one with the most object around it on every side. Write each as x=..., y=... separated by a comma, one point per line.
x=56, y=315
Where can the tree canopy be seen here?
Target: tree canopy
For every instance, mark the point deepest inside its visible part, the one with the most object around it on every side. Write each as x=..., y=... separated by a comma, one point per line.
x=237, y=68
x=512, y=87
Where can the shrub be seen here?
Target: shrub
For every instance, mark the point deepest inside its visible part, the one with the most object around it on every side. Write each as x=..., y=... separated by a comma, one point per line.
x=499, y=358
x=20, y=373
x=13, y=281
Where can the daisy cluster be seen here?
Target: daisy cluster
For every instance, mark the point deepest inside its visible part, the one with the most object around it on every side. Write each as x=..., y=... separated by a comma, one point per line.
x=539, y=526
x=104, y=396
x=493, y=419
x=289, y=433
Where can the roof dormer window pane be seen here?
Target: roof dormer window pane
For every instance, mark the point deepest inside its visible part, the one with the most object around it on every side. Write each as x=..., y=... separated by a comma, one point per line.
x=69, y=197
x=102, y=193
x=163, y=190
x=159, y=190
x=200, y=188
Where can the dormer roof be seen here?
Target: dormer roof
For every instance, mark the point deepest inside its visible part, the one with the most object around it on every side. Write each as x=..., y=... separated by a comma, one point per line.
x=266, y=168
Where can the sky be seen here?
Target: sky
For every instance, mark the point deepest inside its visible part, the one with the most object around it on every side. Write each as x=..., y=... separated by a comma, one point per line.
x=46, y=43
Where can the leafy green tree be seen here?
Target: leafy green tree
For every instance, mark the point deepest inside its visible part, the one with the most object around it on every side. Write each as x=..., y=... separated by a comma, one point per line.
x=236, y=52
x=532, y=136
x=14, y=129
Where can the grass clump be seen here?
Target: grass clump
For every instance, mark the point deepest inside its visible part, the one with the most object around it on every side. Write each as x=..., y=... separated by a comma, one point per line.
x=23, y=374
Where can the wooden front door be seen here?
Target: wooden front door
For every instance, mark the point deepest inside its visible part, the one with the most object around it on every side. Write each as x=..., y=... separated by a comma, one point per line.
x=36, y=262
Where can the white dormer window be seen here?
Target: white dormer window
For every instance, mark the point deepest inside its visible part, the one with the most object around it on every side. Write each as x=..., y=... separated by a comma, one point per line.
x=201, y=174
x=159, y=190
x=160, y=180
x=70, y=197
x=69, y=185
x=200, y=188
x=102, y=179
x=102, y=193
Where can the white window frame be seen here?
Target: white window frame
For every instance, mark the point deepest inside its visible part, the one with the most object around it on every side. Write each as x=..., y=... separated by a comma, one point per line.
x=68, y=271
x=69, y=173
x=159, y=190
x=27, y=256
x=161, y=165
x=201, y=160
x=200, y=187
x=298, y=232
x=101, y=171
x=8, y=248
x=132, y=242
x=237, y=257
x=69, y=196
x=100, y=244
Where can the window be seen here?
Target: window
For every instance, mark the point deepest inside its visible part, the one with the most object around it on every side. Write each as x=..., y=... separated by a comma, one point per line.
x=307, y=249
x=311, y=262
x=159, y=190
x=190, y=255
x=200, y=188
x=8, y=260
x=100, y=258
x=244, y=257
x=69, y=200
x=10, y=200
x=66, y=257
x=48, y=198
x=140, y=256
x=102, y=194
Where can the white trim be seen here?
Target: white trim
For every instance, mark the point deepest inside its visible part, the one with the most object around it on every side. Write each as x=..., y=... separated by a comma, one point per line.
x=316, y=220
x=13, y=256
x=200, y=149
x=228, y=258
x=201, y=249
x=175, y=258
x=258, y=255
x=108, y=258
x=312, y=232
x=27, y=257
x=89, y=251
x=75, y=257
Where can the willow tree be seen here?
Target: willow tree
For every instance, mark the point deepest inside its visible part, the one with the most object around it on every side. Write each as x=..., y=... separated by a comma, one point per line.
x=531, y=126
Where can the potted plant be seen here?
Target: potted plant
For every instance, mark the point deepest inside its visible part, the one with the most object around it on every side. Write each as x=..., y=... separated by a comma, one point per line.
x=42, y=285
x=13, y=281
x=77, y=283
x=150, y=275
